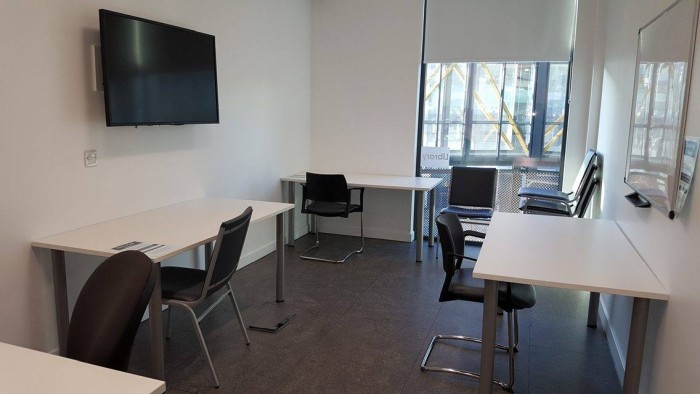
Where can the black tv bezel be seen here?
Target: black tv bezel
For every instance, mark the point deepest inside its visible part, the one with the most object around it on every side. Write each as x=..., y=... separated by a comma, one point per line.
x=105, y=72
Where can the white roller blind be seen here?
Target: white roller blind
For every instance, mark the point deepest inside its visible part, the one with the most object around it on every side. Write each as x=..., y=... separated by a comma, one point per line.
x=498, y=30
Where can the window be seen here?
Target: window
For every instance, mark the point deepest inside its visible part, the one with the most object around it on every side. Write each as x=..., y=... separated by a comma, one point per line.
x=492, y=113
x=508, y=115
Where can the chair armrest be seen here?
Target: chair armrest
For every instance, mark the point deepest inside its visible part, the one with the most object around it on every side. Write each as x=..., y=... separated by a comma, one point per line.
x=462, y=256
x=536, y=192
x=472, y=233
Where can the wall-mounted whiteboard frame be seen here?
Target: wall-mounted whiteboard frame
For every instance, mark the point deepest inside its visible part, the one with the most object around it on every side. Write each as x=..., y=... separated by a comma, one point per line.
x=665, y=49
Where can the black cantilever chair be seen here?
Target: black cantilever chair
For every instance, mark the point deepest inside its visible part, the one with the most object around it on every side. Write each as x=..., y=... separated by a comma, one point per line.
x=472, y=194
x=187, y=287
x=551, y=202
x=460, y=285
x=109, y=309
x=535, y=195
x=328, y=195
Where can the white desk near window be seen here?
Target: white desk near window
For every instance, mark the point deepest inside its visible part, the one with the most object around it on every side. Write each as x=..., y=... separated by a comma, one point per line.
x=567, y=253
x=27, y=371
x=181, y=227
x=418, y=185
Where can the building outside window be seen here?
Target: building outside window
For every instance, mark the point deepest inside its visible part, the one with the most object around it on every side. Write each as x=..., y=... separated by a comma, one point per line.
x=509, y=115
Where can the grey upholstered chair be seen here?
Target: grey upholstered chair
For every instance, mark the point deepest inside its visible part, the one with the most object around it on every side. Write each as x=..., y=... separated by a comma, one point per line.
x=109, y=309
x=187, y=287
x=460, y=285
x=328, y=195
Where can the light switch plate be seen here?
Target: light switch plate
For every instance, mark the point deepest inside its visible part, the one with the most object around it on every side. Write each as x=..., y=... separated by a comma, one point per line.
x=90, y=157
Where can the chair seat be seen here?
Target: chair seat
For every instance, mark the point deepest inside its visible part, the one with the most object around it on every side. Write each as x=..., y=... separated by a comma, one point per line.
x=465, y=287
x=536, y=192
x=184, y=284
x=330, y=209
x=548, y=207
x=472, y=213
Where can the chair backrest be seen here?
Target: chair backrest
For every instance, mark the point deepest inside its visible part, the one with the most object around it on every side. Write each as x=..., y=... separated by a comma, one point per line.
x=326, y=187
x=227, y=251
x=584, y=172
x=451, y=241
x=586, y=196
x=109, y=309
x=473, y=186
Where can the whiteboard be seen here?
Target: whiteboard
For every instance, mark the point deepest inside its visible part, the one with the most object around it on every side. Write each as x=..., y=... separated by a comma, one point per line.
x=664, y=60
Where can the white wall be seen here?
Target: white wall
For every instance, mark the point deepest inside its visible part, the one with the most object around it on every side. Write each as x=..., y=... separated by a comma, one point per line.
x=577, y=132
x=670, y=247
x=50, y=115
x=365, y=60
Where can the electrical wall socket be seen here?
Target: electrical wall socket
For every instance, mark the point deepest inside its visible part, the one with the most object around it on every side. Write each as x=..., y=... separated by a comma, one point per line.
x=90, y=157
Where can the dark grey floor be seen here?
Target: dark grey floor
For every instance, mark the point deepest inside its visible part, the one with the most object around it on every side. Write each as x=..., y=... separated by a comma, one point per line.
x=363, y=327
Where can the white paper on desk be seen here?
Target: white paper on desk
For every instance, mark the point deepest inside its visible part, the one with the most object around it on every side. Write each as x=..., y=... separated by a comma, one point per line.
x=150, y=249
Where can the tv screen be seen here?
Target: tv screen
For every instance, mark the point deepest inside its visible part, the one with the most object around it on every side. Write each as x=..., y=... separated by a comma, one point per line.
x=156, y=74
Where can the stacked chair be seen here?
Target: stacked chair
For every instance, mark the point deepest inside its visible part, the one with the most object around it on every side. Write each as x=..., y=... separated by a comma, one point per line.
x=187, y=288
x=541, y=201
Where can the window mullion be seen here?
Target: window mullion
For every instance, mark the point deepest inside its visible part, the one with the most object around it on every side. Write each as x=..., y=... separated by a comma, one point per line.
x=539, y=109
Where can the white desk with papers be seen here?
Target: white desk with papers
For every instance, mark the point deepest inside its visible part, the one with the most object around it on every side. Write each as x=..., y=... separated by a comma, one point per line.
x=178, y=228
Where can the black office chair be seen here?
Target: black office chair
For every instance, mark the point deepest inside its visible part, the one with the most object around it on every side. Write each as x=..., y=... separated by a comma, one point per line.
x=553, y=208
x=472, y=194
x=109, y=309
x=329, y=196
x=460, y=285
x=581, y=182
x=557, y=203
x=189, y=287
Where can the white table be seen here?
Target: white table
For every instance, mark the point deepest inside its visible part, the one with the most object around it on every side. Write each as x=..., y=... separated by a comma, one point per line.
x=29, y=371
x=418, y=185
x=566, y=253
x=182, y=226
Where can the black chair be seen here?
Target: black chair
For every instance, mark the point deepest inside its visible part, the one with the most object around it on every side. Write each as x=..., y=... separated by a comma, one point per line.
x=557, y=203
x=188, y=287
x=460, y=285
x=109, y=309
x=581, y=182
x=328, y=195
x=553, y=208
x=472, y=194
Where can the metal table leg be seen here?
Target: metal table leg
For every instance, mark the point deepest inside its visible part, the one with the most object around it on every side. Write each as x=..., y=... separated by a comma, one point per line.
x=291, y=198
x=156, y=329
x=280, y=255
x=58, y=261
x=488, y=334
x=431, y=219
x=593, y=303
x=635, y=345
x=420, y=201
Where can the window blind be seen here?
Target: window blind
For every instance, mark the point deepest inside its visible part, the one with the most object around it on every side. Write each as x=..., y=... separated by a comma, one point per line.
x=498, y=30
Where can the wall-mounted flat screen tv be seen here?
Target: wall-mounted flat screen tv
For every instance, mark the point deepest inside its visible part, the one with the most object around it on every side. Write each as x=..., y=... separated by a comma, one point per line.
x=156, y=74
